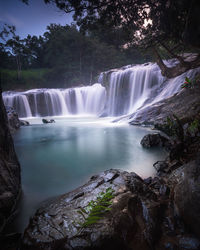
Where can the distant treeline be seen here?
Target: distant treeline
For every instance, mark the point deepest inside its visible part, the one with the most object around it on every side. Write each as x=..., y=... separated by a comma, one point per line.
x=63, y=56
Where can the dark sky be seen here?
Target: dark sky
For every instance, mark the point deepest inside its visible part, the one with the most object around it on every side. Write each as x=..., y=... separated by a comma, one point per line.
x=33, y=18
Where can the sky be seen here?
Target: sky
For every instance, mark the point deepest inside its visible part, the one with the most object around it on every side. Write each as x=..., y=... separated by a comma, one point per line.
x=33, y=18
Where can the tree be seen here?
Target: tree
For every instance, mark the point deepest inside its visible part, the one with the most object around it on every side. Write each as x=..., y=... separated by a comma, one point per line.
x=171, y=25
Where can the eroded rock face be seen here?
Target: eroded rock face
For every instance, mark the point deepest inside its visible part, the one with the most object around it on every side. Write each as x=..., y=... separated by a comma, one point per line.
x=132, y=222
x=10, y=184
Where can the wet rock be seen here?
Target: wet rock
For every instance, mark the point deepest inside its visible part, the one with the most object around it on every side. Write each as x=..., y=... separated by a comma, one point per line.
x=160, y=166
x=187, y=195
x=48, y=121
x=24, y=123
x=13, y=119
x=151, y=140
x=132, y=221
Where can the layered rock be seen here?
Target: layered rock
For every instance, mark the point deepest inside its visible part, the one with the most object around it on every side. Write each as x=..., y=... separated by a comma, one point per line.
x=10, y=182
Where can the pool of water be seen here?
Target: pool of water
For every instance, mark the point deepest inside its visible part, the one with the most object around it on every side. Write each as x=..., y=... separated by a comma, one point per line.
x=56, y=158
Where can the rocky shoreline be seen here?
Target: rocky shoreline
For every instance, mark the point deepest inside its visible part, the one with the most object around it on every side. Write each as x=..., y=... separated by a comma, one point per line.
x=155, y=213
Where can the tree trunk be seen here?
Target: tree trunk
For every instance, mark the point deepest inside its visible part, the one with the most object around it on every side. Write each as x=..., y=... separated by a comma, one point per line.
x=181, y=60
x=176, y=70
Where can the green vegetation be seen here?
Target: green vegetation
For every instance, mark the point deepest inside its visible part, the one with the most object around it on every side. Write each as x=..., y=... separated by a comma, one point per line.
x=174, y=128
x=162, y=27
x=188, y=84
x=194, y=127
x=96, y=208
x=63, y=57
x=30, y=78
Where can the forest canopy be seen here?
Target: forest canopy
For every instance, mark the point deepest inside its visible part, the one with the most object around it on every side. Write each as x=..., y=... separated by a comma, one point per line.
x=63, y=56
x=106, y=34
x=173, y=26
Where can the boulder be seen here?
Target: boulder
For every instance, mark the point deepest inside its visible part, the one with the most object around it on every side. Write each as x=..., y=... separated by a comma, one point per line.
x=132, y=223
x=10, y=182
x=24, y=123
x=48, y=121
x=152, y=140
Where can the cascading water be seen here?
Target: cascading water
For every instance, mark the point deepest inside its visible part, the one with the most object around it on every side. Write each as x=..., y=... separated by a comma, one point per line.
x=120, y=92
x=135, y=87
x=57, y=102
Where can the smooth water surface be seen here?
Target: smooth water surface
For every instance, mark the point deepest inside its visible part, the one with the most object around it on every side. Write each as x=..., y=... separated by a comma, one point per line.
x=56, y=158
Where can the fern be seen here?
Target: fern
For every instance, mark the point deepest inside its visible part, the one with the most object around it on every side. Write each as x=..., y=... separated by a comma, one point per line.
x=95, y=209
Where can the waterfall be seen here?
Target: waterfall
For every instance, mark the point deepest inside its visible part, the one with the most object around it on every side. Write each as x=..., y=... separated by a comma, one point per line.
x=119, y=92
x=19, y=102
x=89, y=100
x=134, y=87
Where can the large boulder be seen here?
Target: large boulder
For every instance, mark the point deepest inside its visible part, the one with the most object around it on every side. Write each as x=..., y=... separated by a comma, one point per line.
x=132, y=223
x=155, y=139
x=10, y=183
x=187, y=194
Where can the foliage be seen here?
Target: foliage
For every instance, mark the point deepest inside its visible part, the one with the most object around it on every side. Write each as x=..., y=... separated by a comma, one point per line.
x=188, y=84
x=194, y=127
x=174, y=128
x=71, y=57
x=96, y=208
x=147, y=21
x=160, y=27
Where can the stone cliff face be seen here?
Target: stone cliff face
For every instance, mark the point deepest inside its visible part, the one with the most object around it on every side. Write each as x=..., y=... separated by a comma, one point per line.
x=10, y=182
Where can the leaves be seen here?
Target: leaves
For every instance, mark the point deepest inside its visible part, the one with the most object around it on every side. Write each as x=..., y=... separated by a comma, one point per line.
x=188, y=83
x=95, y=209
x=194, y=126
